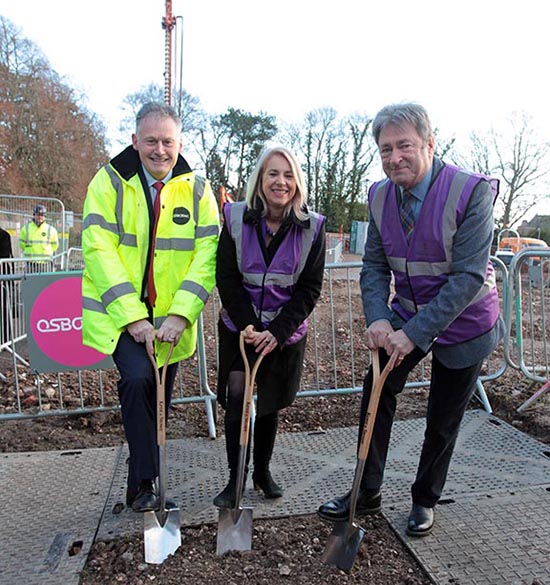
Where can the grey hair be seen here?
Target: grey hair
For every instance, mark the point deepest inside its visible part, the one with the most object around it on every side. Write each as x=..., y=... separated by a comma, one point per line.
x=400, y=115
x=254, y=185
x=159, y=109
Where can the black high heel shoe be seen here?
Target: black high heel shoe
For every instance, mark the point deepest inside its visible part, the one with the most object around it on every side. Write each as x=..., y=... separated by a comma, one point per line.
x=264, y=482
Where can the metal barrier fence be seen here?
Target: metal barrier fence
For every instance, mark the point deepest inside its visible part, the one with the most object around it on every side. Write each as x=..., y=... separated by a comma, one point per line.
x=16, y=211
x=336, y=355
x=527, y=343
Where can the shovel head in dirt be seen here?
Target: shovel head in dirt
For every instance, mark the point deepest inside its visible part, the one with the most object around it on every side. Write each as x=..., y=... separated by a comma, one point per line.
x=161, y=529
x=344, y=542
x=343, y=545
x=162, y=535
x=235, y=524
x=234, y=530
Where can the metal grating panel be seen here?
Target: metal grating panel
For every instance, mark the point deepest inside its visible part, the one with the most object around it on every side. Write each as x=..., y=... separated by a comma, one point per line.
x=494, y=529
x=56, y=499
x=497, y=539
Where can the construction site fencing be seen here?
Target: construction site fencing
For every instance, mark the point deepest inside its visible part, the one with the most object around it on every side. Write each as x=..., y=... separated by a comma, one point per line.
x=527, y=342
x=17, y=210
x=335, y=362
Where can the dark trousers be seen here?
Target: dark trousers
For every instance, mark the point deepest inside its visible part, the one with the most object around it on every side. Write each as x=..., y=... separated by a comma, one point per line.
x=450, y=392
x=265, y=428
x=137, y=395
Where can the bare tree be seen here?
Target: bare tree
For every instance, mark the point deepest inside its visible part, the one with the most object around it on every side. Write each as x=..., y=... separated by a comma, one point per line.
x=189, y=110
x=520, y=159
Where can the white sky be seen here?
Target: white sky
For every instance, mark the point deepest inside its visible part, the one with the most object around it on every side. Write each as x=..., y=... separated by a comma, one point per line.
x=470, y=63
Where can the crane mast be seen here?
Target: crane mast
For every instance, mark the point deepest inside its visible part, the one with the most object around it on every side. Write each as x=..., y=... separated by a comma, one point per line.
x=168, y=24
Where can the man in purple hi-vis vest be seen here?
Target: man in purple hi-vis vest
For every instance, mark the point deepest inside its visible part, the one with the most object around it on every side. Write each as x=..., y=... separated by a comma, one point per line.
x=445, y=300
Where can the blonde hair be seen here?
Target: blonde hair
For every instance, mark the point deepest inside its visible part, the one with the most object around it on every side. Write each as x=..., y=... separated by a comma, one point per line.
x=254, y=185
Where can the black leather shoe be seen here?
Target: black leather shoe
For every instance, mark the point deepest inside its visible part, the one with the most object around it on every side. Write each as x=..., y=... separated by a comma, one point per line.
x=421, y=521
x=263, y=481
x=131, y=495
x=146, y=498
x=337, y=509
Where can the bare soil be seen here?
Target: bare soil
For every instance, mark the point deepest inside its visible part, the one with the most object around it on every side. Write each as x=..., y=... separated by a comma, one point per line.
x=286, y=550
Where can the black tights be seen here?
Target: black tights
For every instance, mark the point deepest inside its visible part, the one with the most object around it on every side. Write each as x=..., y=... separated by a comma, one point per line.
x=265, y=427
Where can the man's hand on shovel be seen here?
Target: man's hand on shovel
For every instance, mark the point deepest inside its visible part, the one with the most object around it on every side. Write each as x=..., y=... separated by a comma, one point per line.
x=143, y=332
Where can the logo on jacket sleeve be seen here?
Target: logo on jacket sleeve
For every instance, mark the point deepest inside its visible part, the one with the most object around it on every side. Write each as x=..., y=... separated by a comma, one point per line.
x=180, y=215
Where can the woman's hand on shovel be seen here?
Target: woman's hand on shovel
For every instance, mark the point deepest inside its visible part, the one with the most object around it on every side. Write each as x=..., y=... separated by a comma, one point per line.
x=263, y=341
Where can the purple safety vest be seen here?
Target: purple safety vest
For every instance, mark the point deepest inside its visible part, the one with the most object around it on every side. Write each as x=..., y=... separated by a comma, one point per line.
x=422, y=267
x=269, y=287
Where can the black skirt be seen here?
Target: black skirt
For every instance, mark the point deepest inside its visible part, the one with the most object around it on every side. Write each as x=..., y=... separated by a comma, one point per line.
x=279, y=375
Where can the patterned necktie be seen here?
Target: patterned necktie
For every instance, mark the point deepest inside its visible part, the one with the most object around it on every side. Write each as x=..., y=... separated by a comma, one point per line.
x=406, y=214
x=151, y=290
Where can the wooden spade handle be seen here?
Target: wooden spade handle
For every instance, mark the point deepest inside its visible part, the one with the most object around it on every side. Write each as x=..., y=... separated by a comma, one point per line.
x=161, y=398
x=249, y=379
x=378, y=381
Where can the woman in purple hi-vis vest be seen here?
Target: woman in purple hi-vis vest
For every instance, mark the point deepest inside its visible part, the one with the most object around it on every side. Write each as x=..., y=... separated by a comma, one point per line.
x=269, y=273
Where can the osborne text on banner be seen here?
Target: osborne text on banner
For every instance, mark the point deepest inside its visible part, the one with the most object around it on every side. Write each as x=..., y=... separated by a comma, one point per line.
x=53, y=315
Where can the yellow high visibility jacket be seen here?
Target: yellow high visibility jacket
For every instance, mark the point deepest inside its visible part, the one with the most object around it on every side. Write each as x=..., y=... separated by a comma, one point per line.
x=38, y=241
x=117, y=224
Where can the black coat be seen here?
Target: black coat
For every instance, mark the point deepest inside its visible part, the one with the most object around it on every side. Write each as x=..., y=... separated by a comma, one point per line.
x=278, y=378
x=5, y=248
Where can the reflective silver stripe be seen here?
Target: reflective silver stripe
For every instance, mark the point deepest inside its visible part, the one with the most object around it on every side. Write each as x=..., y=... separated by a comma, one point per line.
x=428, y=268
x=487, y=287
x=119, y=189
x=267, y=316
x=99, y=220
x=205, y=231
x=408, y=305
x=198, y=192
x=237, y=214
x=129, y=240
x=93, y=305
x=185, y=244
x=418, y=268
x=270, y=278
x=377, y=203
x=449, y=226
x=196, y=289
x=307, y=241
x=117, y=291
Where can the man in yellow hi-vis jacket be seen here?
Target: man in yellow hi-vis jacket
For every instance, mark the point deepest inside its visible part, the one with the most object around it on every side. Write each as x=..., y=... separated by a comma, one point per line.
x=38, y=240
x=150, y=233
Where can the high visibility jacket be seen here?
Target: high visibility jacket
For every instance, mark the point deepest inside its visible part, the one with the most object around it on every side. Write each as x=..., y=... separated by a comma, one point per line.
x=422, y=266
x=116, y=238
x=271, y=286
x=38, y=241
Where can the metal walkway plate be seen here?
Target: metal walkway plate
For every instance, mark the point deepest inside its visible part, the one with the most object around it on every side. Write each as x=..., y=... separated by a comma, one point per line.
x=493, y=525
x=50, y=517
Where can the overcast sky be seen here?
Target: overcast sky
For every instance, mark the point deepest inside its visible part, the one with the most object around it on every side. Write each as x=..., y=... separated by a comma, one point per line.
x=471, y=63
